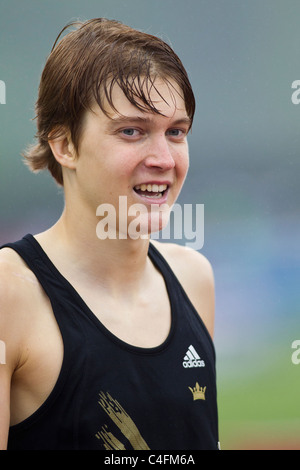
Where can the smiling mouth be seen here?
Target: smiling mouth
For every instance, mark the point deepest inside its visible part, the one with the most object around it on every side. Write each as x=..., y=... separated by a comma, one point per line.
x=154, y=191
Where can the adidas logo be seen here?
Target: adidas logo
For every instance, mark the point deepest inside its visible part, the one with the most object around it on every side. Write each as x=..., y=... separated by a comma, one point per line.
x=192, y=359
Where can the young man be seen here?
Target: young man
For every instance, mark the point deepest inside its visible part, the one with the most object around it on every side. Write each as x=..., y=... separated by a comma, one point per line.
x=108, y=336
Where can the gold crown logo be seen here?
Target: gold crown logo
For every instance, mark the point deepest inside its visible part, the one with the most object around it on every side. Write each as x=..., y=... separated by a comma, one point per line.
x=198, y=392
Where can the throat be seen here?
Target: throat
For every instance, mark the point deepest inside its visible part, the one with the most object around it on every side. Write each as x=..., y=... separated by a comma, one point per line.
x=131, y=315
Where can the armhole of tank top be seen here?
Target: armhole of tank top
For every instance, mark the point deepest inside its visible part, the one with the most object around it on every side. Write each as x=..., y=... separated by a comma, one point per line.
x=63, y=373
x=166, y=270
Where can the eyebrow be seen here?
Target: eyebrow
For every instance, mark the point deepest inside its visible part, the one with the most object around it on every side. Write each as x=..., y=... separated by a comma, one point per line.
x=147, y=120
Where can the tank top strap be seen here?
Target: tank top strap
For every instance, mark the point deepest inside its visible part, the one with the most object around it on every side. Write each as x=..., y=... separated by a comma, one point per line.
x=161, y=264
x=38, y=262
x=24, y=248
x=177, y=294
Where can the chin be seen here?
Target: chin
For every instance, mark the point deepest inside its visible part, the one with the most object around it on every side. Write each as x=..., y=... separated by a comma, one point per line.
x=146, y=224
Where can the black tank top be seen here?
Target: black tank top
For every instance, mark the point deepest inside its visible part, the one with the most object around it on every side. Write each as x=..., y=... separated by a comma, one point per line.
x=111, y=395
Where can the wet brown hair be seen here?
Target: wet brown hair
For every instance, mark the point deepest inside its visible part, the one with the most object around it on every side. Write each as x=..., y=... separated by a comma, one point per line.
x=84, y=66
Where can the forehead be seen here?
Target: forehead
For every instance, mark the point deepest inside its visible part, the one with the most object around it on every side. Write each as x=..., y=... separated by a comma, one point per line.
x=163, y=96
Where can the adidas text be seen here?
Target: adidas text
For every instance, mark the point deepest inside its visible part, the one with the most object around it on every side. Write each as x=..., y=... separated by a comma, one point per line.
x=195, y=363
x=192, y=359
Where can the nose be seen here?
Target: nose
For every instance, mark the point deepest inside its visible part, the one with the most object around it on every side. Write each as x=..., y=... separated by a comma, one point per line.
x=160, y=154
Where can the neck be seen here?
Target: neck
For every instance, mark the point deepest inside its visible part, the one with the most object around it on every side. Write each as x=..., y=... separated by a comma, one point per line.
x=115, y=264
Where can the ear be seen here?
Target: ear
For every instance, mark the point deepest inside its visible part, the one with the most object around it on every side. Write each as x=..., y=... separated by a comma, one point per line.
x=63, y=150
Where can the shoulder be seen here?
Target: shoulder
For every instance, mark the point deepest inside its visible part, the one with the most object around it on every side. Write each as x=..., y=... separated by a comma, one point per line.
x=195, y=273
x=187, y=264
x=184, y=258
x=16, y=279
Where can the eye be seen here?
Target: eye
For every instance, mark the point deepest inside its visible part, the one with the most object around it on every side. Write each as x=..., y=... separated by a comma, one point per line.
x=177, y=133
x=130, y=132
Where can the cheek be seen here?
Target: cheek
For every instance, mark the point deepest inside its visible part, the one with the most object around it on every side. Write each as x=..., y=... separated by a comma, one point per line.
x=182, y=166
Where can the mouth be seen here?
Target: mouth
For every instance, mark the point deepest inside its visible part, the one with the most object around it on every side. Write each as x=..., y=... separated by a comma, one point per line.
x=151, y=191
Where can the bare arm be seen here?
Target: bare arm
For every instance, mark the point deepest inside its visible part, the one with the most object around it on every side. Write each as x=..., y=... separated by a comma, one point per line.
x=10, y=335
x=6, y=367
x=4, y=405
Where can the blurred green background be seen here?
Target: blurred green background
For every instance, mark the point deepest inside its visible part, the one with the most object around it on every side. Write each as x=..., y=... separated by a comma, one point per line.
x=242, y=57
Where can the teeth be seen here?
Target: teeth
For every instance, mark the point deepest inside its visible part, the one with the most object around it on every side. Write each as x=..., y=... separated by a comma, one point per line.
x=152, y=188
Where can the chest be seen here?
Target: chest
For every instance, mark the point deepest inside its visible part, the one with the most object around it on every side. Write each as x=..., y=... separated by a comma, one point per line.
x=143, y=320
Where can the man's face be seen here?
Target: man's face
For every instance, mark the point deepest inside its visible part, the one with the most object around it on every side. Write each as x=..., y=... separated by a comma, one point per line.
x=132, y=153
